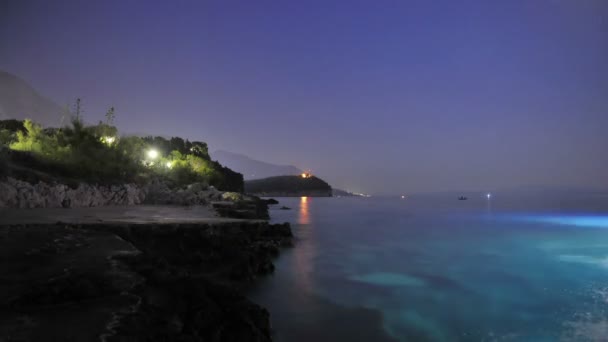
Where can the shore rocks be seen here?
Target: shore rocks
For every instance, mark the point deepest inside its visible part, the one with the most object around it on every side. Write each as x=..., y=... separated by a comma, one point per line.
x=158, y=192
x=136, y=282
x=249, y=208
x=193, y=275
x=56, y=273
x=15, y=193
x=19, y=194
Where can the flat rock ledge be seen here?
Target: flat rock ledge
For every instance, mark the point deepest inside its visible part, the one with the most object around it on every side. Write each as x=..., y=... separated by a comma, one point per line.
x=135, y=282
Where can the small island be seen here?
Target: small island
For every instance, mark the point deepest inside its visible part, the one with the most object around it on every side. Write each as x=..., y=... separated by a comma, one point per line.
x=289, y=186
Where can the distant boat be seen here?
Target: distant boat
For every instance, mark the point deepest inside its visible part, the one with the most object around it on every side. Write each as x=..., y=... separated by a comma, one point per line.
x=462, y=198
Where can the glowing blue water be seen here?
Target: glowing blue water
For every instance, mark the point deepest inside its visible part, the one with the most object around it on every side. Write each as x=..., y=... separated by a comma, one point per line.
x=591, y=221
x=440, y=270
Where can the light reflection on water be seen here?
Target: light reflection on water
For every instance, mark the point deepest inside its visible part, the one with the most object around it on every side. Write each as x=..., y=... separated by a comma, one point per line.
x=304, y=217
x=304, y=256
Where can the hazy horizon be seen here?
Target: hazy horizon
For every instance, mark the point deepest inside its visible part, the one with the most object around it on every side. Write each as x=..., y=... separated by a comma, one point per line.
x=403, y=97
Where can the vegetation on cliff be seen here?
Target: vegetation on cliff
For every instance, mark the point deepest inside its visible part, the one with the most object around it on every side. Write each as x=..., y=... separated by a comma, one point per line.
x=97, y=154
x=288, y=186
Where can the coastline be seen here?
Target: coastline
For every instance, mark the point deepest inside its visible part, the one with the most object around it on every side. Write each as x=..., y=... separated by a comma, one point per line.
x=152, y=280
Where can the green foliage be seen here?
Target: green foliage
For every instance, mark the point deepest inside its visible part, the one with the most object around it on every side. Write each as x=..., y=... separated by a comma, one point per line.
x=227, y=179
x=166, y=146
x=110, y=115
x=36, y=141
x=103, y=130
x=6, y=137
x=97, y=154
x=190, y=163
x=12, y=125
x=132, y=146
x=3, y=161
x=78, y=111
x=91, y=157
x=232, y=196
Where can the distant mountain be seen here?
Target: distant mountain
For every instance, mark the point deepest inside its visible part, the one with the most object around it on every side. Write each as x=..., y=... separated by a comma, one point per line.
x=342, y=193
x=18, y=100
x=251, y=168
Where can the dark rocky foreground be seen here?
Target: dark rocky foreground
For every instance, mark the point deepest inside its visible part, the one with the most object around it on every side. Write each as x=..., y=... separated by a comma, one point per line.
x=135, y=282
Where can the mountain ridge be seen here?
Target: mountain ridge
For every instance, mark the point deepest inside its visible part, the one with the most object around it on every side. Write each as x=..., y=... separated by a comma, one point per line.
x=19, y=100
x=253, y=168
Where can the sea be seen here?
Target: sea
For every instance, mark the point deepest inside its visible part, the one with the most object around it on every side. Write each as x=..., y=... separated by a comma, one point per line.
x=512, y=267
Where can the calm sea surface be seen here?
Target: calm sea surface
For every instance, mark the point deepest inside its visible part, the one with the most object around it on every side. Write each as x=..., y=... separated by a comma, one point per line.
x=432, y=268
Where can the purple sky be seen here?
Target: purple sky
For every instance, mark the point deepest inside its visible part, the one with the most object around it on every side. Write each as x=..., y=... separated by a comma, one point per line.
x=373, y=96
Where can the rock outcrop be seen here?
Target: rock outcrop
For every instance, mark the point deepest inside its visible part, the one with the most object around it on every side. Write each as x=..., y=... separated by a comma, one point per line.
x=19, y=194
x=15, y=193
x=135, y=282
x=158, y=192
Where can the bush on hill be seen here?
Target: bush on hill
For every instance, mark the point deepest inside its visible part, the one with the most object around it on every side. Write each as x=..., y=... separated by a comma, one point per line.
x=96, y=154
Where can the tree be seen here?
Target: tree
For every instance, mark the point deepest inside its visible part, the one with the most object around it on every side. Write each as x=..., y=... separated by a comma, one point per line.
x=78, y=110
x=110, y=115
x=35, y=140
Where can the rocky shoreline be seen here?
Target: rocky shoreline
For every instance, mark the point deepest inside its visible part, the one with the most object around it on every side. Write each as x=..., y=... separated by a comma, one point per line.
x=15, y=193
x=134, y=282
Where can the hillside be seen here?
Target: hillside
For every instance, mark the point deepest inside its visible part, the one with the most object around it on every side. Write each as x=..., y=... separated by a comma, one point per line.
x=288, y=186
x=97, y=154
x=251, y=168
x=18, y=100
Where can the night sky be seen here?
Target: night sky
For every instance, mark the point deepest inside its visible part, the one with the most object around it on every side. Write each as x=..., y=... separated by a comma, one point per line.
x=373, y=96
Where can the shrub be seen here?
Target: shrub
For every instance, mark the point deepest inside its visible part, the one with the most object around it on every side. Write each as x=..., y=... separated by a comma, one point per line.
x=96, y=154
x=6, y=137
x=12, y=125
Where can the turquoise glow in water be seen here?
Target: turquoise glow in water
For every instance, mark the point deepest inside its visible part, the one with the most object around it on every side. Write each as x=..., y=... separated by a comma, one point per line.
x=383, y=269
x=389, y=279
x=592, y=221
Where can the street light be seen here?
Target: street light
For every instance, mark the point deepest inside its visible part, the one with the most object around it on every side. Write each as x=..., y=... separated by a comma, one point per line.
x=152, y=154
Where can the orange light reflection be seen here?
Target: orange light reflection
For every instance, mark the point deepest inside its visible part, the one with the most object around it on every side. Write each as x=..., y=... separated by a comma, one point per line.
x=304, y=217
x=306, y=251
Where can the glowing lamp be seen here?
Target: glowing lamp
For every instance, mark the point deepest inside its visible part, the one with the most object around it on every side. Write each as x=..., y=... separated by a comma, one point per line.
x=108, y=140
x=169, y=165
x=152, y=154
x=489, y=196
